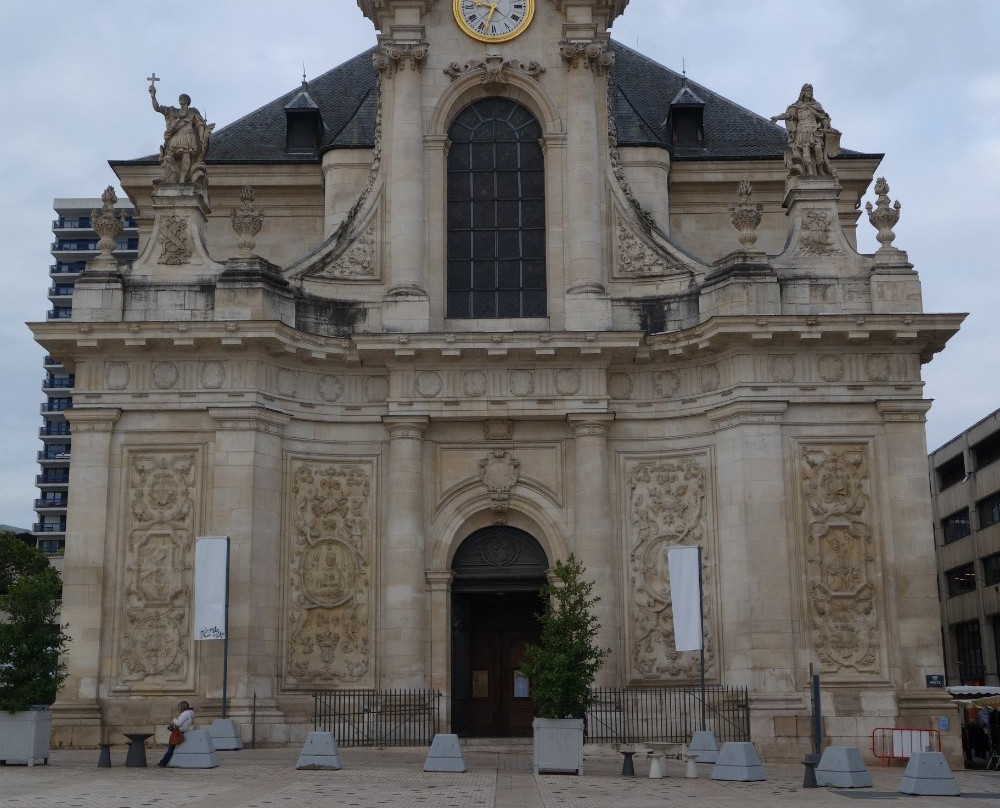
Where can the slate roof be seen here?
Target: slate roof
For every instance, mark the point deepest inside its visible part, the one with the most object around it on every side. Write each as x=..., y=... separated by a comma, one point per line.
x=642, y=92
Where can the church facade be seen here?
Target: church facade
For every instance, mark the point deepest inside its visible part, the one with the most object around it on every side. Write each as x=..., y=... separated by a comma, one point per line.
x=498, y=291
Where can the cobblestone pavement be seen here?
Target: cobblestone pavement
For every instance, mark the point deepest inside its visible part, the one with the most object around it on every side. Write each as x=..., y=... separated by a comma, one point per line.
x=267, y=778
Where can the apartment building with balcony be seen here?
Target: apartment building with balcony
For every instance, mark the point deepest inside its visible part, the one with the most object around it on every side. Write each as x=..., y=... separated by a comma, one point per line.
x=74, y=244
x=965, y=494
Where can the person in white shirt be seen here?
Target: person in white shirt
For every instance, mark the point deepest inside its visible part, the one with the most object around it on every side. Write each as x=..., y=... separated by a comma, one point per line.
x=183, y=722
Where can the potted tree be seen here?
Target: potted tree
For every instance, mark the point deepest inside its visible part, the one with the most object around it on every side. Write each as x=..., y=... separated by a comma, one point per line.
x=31, y=642
x=561, y=668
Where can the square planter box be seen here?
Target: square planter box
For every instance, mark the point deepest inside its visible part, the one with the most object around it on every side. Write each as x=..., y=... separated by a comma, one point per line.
x=24, y=736
x=558, y=745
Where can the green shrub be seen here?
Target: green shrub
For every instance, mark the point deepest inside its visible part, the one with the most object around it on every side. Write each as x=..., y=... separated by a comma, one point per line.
x=31, y=639
x=561, y=667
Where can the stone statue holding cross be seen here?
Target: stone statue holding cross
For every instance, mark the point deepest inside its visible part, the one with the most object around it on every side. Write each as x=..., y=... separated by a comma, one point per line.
x=185, y=139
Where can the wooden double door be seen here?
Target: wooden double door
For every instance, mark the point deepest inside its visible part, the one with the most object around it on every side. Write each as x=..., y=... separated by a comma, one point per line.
x=490, y=630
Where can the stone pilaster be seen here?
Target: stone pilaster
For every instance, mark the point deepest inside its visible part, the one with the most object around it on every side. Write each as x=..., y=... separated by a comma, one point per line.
x=594, y=540
x=245, y=504
x=406, y=305
x=753, y=519
x=76, y=715
x=909, y=537
x=587, y=62
x=439, y=587
x=404, y=605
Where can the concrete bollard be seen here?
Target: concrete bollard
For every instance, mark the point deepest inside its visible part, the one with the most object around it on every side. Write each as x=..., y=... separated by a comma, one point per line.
x=928, y=774
x=319, y=752
x=703, y=742
x=738, y=761
x=197, y=751
x=225, y=735
x=842, y=767
x=445, y=755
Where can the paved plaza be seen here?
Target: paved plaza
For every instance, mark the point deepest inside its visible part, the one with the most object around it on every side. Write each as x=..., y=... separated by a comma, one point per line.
x=267, y=778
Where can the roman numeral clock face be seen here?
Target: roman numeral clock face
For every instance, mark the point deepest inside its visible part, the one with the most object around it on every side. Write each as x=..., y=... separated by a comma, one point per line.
x=494, y=20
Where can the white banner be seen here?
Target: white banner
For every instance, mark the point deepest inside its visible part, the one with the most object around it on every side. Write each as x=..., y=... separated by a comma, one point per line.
x=211, y=562
x=685, y=595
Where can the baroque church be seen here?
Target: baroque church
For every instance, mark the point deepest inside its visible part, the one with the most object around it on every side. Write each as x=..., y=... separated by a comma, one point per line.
x=496, y=291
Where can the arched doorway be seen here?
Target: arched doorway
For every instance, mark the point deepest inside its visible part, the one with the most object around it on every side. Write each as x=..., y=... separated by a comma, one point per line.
x=497, y=574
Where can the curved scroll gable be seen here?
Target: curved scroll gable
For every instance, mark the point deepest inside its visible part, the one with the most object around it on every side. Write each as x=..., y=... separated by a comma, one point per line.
x=331, y=257
x=642, y=254
x=348, y=255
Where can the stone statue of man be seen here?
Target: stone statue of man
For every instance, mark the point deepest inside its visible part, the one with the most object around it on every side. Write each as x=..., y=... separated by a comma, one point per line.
x=185, y=140
x=807, y=124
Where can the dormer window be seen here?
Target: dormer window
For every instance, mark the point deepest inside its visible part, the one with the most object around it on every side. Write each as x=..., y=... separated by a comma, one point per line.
x=687, y=120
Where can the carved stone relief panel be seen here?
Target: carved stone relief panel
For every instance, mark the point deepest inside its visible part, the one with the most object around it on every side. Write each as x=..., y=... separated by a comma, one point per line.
x=161, y=521
x=841, y=572
x=666, y=507
x=329, y=622
x=360, y=261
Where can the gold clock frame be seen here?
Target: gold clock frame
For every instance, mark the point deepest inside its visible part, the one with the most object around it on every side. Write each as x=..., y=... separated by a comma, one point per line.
x=456, y=10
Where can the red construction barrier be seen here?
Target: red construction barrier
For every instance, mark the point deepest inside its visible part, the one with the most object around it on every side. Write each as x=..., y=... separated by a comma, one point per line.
x=899, y=743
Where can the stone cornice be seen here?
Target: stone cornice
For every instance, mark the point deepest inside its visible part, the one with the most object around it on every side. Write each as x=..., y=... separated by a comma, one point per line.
x=924, y=334
x=920, y=334
x=903, y=411
x=257, y=419
x=86, y=420
x=739, y=413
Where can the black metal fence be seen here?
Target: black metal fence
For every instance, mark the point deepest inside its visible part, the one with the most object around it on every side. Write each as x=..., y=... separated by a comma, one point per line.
x=378, y=717
x=667, y=714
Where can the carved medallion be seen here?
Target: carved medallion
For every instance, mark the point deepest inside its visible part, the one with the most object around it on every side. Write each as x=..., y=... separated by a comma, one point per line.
x=331, y=388
x=830, y=368
x=474, y=383
x=376, y=389
x=499, y=550
x=522, y=383
x=116, y=375
x=620, y=386
x=429, y=384
x=709, y=378
x=567, y=382
x=666, y=383
x=781, y=368
x=165, y=375
x=213, y=375
x=499, y=472
x=878, y=368
x=288, y=382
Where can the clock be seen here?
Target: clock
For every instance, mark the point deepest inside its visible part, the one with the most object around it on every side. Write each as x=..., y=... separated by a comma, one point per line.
x=494, y=20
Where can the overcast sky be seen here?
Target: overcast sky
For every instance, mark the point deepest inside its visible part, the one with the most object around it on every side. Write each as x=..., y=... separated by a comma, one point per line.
x=916, y=79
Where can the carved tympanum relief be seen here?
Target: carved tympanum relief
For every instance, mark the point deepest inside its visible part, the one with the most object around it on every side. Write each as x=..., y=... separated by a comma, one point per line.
x=329, y=622
x=666, y=508
x=159, y=549
x=840, y=565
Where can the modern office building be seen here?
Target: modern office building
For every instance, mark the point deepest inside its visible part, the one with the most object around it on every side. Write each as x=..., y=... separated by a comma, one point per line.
x=965, y=492
x=74, y=243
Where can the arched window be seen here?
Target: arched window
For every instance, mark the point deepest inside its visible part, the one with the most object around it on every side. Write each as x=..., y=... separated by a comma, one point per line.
x=496, y=212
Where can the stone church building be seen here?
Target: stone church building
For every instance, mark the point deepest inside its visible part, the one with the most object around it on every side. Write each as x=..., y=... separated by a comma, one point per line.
x=497, y=291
